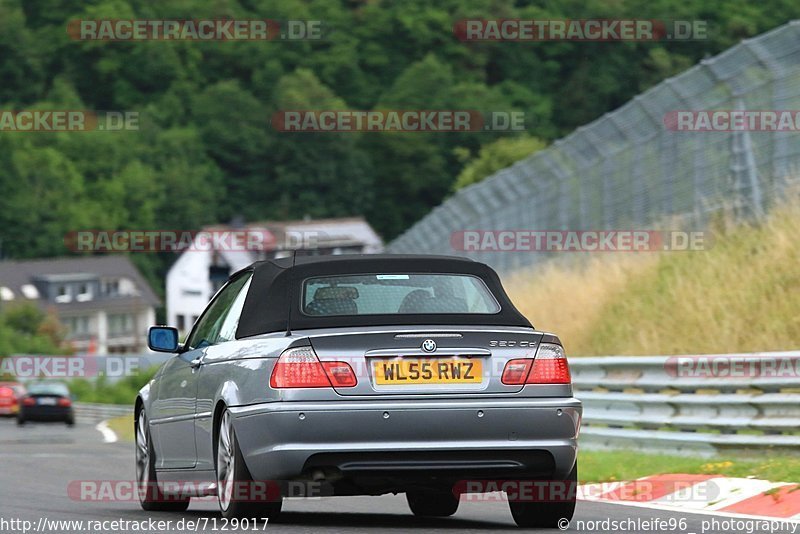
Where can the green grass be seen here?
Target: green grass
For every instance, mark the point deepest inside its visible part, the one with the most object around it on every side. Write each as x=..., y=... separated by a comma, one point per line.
x=610, y=466
x=122, y=427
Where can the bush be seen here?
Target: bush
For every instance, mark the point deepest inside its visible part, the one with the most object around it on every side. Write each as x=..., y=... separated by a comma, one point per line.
x=102, y=391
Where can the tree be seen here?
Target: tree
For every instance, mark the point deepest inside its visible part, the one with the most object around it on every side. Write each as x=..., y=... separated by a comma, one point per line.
x=232, y=124
x=495, y=156
x=25, y=329
x=322, y=174
x=205, y=151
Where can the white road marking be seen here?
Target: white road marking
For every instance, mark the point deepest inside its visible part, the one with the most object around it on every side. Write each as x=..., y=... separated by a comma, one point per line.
x=109, y=436
x=729, y=491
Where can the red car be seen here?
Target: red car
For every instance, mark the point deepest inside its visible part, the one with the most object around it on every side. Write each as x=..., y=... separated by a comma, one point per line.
x=10, y=395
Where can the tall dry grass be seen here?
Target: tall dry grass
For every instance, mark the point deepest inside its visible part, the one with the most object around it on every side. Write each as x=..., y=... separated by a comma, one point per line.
x=570, y=300
x=740, y=295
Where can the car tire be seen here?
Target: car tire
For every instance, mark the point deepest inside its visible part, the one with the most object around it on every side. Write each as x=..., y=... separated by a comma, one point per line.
x=232, y=475
x=20, y=421
x=432, y=503
x=70, y=422
x=548, y=514
x=151, y=498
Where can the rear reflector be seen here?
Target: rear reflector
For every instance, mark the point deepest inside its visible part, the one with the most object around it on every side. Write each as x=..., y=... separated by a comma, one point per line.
x=300, y=368
x=516, y=371
x=340, y=374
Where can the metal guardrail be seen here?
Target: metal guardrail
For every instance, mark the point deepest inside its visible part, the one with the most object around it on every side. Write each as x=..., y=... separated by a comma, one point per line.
x=94, y=413
x=653, y=403
x=645, y=403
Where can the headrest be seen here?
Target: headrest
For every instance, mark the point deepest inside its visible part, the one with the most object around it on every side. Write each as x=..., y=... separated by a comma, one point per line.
x=338, y=293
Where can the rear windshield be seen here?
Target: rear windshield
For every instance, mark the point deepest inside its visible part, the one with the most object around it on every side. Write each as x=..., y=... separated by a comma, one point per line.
x=52, y=388
x=373, y=294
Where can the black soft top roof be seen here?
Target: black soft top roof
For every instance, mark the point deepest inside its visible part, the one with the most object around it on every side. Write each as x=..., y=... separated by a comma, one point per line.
x=273, y=301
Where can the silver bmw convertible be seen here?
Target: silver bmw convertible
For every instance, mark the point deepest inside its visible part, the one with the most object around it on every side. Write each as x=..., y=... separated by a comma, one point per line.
x=360, y=375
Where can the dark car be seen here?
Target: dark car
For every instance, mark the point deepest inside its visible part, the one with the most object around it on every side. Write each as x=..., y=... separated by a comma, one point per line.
x=10, y=395
x=366, y=375
x=46, y=401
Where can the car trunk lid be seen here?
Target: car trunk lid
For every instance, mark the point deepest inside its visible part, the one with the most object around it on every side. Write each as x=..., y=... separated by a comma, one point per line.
x=427, y=360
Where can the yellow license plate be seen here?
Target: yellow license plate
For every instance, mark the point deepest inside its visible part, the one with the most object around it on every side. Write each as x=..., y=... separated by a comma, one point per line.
x=427, y=371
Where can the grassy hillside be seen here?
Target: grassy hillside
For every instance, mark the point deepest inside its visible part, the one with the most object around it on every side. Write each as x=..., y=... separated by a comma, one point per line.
x=740, y=295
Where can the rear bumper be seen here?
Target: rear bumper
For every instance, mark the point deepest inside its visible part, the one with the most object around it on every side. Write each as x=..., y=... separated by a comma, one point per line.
x=46, y=413
x=532, y=437
x=9, y=409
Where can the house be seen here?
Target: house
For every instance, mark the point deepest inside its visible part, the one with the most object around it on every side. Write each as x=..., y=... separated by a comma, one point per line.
x=104, y=302
x=201, y=270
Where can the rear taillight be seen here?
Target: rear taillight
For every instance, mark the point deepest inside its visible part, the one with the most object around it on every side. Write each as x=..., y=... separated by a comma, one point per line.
x=548, y=367
x=29, y=401
x=300, y=368
x=6, y=392
x=549, y=371
x=64, y=402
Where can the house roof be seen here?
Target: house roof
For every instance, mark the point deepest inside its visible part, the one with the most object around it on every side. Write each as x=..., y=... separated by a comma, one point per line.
x=332, y=232
x=328, y=233
x=16, y=273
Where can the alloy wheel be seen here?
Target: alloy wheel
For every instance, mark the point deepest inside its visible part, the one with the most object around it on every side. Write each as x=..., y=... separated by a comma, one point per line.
x=142, y=457
x=226, y=462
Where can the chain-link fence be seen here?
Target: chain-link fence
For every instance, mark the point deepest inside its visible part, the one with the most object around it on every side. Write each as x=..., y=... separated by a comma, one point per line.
x=628, y=170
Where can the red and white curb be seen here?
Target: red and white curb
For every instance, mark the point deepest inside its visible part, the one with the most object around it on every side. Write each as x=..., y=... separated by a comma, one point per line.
x=746, y=497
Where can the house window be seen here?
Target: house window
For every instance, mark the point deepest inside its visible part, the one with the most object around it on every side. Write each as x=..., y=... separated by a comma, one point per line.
x=63, y=293
x=84, y=293
x=77, y=326
x=111, y=287
x=120, y=323
x=181, y=319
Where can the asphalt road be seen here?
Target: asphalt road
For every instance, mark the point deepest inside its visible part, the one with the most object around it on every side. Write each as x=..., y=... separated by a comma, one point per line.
x=38, y=462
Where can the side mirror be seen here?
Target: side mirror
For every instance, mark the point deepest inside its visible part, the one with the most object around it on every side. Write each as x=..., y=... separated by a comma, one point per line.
x=162, y=339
